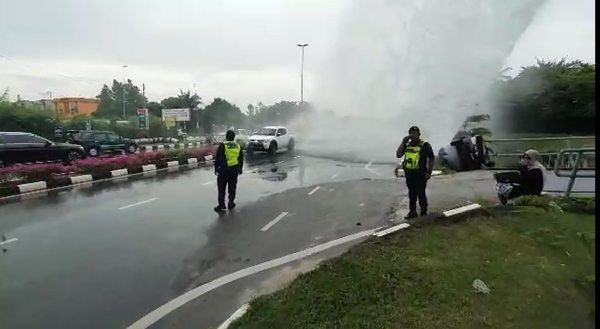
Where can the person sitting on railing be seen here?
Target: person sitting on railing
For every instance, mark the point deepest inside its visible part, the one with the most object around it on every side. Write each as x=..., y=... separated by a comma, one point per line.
x=529, y=180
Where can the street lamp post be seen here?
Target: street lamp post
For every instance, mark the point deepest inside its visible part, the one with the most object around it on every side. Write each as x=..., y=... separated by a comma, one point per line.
x=124, y=66
x=302, y=46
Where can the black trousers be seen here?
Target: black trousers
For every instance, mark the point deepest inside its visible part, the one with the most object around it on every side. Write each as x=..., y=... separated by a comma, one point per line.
x=227, y=179
x=416, y=181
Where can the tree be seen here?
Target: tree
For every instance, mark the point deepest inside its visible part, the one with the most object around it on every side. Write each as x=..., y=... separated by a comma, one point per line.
x=111, y=100
x=550, y=97
x=221, y=112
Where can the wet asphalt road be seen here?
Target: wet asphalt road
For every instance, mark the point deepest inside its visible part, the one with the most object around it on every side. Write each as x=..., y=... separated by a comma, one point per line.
x=103, y=256
x=92, y=258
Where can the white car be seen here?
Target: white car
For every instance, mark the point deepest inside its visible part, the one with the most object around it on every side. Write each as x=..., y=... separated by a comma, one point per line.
x=272, y=139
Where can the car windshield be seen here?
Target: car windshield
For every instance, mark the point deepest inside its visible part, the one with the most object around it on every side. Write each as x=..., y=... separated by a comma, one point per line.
x=266, y=132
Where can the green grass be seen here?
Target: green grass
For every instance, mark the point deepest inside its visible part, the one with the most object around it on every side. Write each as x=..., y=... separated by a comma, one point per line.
x=539, y=266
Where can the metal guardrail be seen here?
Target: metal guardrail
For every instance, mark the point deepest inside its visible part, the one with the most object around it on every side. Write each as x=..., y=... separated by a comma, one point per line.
x=549, y=159
x=575, y=166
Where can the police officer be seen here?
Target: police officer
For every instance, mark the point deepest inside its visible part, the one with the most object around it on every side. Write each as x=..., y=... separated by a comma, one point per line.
x=417, y=165
x=229, y=161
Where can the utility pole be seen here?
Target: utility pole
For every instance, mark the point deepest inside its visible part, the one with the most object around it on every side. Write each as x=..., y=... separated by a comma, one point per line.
x=302, y=46
x=144, y=94
x=124, y=66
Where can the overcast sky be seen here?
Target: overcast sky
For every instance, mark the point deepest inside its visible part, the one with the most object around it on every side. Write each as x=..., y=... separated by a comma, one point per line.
x=241, y=50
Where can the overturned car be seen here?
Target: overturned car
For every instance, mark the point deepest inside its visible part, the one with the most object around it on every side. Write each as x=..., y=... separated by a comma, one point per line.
x=467, y=151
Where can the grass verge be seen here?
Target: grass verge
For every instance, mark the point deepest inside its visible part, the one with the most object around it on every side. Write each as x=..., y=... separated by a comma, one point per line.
x=538, y=264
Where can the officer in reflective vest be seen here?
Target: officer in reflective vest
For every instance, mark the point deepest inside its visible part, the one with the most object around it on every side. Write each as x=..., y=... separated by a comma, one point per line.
x=229, y=161
x=417, y=166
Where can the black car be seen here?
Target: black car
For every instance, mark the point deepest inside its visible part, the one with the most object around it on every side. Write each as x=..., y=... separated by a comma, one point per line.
x=95, y=142
x=20, y=147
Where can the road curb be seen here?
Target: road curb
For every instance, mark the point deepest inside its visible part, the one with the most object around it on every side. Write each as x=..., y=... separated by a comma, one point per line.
x=170, y=146
x=42, y=187
x=420, y=221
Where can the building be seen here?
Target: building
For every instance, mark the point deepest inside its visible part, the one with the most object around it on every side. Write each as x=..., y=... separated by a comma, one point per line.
x=42, y=104
x=68, y=107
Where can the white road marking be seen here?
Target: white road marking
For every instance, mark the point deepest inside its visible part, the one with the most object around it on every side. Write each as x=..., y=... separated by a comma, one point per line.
x=278, y=162
x=461, y=210
x=236, y=315
x=373, y=171
x=334, y=175
x=314, y=190
x=368, y=165
x=176, y=303
x=211, y=182
x=274, y=221
x=391, y=230
x=137, y=204
x=8, y=241
x=362, y=204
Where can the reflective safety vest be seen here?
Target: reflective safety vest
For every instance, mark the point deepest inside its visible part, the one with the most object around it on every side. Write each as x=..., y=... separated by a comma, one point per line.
x=412, y=156
x=232, y=153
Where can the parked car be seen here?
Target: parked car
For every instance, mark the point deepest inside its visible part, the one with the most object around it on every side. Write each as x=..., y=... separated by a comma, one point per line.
x=96, y=141
x=272, y=139
x=22, y=147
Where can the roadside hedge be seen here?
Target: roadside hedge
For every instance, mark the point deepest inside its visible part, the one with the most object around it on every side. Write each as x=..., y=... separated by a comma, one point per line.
x=58, y=175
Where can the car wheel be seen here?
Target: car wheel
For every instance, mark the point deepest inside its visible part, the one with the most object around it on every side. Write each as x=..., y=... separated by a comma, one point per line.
x=93, y=152
x=72, y=156
x=291, y=145
x=131, y=149
x=272, y=148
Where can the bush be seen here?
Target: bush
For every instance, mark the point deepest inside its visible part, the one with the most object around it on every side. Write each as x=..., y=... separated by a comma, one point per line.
x=568, y=204
x=97, y=167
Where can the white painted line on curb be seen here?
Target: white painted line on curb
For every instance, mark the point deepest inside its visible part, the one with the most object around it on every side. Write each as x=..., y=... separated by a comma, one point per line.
x=81, y=179
x=391, y=230
x=160, y=147
x=30, y=187
x=8, y=241
x=314, y=190
x=334, y=176
x=192, y=160
x=461, y=210
x=119, y=172
x=274, y=221
x=208, y=183
x=176, y=303
x=172, y=163
x=208, y=157
x=236, y=315
x=137, y=204
x=149, y=167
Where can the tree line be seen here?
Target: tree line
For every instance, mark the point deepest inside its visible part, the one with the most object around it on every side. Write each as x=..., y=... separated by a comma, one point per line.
x=549, y=97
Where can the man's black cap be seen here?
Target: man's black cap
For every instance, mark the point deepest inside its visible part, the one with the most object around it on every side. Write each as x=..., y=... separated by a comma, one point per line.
x=414, y=128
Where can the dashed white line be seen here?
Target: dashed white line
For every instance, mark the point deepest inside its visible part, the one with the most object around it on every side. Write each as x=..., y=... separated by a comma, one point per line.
x=176, y=303
x=274, y=221
x=334, y=175
x=8, y=241
x=236, y=315
x=211, y=182
x=137, y=204
x=373, y=171
x=314, y=190
x=368, y=165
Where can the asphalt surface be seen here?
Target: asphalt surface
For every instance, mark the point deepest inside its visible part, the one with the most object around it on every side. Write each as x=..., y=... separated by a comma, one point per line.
x=105, y=255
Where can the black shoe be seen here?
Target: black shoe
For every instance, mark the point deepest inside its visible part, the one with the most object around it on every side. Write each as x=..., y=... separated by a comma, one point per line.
x=231, y=205
x=424, y=212
x=411, y=214
x=220, y=209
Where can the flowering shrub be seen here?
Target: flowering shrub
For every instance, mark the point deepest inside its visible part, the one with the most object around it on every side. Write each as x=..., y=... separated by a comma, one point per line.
x=100, y=166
